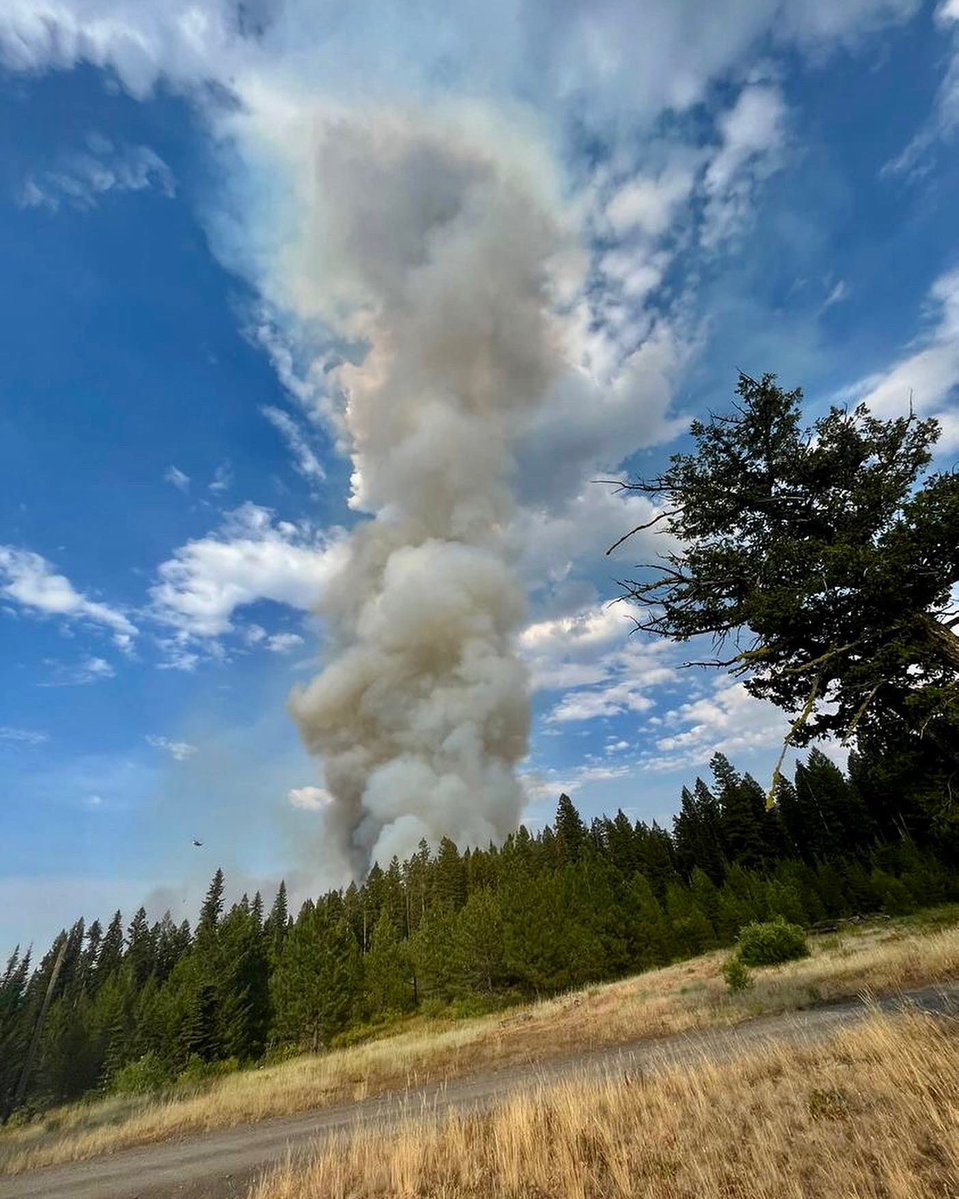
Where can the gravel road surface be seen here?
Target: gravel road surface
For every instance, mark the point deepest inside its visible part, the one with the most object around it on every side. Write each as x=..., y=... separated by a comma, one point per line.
x=222, y=1164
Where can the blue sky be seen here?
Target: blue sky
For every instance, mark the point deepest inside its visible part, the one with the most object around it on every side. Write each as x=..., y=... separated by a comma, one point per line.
x=775, y=191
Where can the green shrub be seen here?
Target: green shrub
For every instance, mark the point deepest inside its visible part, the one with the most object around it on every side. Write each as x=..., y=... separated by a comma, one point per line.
x=277, y=1054
x=470, y=1006
x=198, y=1071
x=771, y=943
x=736, y=975
x=433, y=1008
x=896, y=899
x=146, y=1074
x=388, y=1024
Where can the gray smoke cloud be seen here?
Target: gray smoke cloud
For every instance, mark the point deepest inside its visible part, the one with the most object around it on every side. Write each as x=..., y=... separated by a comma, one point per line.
x=442, y=255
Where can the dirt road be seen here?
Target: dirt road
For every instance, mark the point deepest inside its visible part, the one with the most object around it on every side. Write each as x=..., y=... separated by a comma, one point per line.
x=221, y=1165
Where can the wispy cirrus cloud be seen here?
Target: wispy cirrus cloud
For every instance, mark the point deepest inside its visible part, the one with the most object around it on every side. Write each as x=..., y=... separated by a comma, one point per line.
x=90, y=669
x=179, y=751
x=177, y=478
x=306, y=461
x=81, y=178
x=943, y=122
x=926, y=375
x=12, y=735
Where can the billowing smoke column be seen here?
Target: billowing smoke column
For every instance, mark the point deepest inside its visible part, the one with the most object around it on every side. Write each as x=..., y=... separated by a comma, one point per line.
x=440, y=255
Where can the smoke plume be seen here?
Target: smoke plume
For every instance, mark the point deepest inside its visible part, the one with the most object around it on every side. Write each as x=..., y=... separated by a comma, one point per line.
x=439, y=253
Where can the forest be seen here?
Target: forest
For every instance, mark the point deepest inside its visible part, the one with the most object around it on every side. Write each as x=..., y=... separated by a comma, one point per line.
x=825, y=562
x=138, y=1006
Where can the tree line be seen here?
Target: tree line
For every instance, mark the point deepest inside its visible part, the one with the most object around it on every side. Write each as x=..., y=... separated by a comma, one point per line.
x=140, y=1005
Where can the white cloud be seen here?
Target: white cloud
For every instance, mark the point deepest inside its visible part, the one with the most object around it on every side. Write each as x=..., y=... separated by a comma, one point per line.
x=305, y=459
x=178, y=750
x=570, y=651
x=32, y=582
x=276, y=643
x=611, y=699
x=17, y=736
x=649, y=203
x=602, y=58
x=555, y=541
x=89, y=670
x=283, y=643
x=838, y=294
x=81, y=178
x=751, y=133
x=944, y=119
x=929, y=372
x=222, y=478
x=548, y=785
x=251, y=558
x=591, y=657
x=310, y=799
x=176, y=656
x=728, y=720
x=602, y=413
x=176, y=478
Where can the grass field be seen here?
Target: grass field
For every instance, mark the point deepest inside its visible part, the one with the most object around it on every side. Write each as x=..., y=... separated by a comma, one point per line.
x=690, y=995
x=873, y=1113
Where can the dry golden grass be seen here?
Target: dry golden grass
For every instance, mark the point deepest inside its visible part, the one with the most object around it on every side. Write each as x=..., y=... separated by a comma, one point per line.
x=874, y=1113
x=688, y=995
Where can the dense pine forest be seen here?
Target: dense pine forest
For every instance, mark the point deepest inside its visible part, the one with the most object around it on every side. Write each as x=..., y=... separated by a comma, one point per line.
x=134, y=1006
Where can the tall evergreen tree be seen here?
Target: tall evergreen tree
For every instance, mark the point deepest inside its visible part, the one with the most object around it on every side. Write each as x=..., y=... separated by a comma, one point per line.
x=387, y=971
x=212, y=908
x=570, y=830
x=110, y=956
x=317, y=983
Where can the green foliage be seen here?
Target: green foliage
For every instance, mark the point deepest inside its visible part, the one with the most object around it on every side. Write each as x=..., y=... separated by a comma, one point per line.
x=388, y=971
x=447, y=935
x=197, y=1071
x=827, y=556
x=736, y=975
x=147, y=1074
x=772, y=942
x=316, y=986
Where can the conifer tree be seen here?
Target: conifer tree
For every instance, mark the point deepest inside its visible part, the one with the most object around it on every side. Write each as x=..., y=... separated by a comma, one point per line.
x=433, y=952
x=141, y=948
x=212, y=908
x=242, y=985
x=742, y=803
x=621, y=844
x=649, y=935
x=275, y=925
x=479, y=943
x=448, y=877
x=317, y=982
x=387, y=971
x=110, y=956
x=691, y=930
x=13, y=1026
x=826, y=557
x=570, y=831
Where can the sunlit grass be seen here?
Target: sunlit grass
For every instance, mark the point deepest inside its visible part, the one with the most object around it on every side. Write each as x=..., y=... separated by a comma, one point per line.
x=873, y=1114
x=689, y=995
